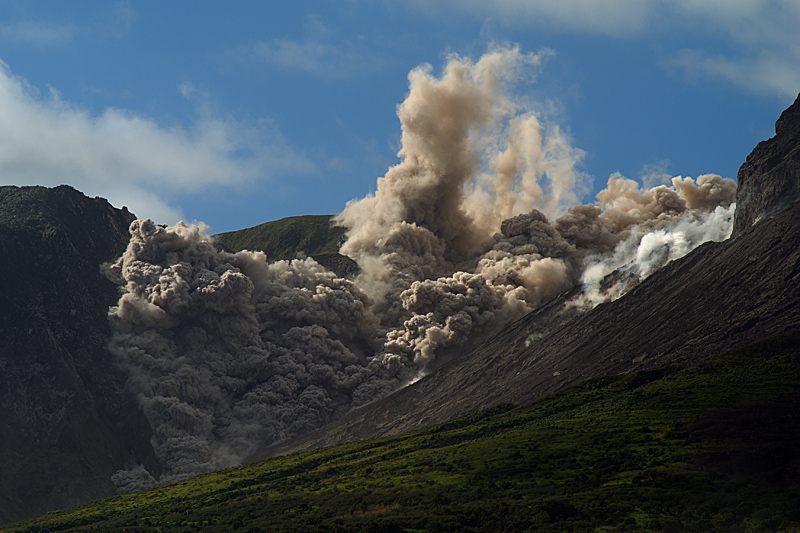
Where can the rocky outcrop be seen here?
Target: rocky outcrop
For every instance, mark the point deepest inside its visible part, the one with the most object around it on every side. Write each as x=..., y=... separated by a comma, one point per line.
x=66, y=423
x=769, y=180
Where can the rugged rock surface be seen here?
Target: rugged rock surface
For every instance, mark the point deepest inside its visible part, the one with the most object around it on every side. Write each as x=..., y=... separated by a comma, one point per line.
x=66, y=424
x=339, y=264
x=769, y=180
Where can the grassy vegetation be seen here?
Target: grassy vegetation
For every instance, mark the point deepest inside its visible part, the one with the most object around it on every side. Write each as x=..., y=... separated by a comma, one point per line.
x=710, y=448
x=285, y=238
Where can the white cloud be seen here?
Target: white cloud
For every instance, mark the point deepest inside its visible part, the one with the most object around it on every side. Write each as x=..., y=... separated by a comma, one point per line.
x=764, y=53
x=754, y=43
x=129, y=158
x=766, y=73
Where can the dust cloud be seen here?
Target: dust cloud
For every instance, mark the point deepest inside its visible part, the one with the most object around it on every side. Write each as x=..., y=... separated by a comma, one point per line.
x=228, y=353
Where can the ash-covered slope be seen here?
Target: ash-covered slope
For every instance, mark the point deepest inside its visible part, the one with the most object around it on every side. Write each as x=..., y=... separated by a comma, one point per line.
x=66, y=425
x=721, y=296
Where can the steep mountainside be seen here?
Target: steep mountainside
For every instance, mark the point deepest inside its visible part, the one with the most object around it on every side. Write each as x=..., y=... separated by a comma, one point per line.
x=721, y=296
x=66, y=425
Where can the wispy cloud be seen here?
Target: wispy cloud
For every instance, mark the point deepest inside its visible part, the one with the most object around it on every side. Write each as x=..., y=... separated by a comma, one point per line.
x=749, y=43
x=765, y=73
x=763, y=49
x=319, y=53
x=114, y=22
x=39, y=33
x=120, y=20
x=128, y=158
x=610, y=17
x=321, y=59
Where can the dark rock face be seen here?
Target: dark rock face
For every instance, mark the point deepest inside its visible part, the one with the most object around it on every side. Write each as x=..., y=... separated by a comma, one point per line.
x=769, y=180
x=339, y=264
x=66, y=423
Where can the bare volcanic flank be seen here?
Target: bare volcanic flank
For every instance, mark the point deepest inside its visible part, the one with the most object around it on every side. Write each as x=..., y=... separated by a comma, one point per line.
x=721, y=296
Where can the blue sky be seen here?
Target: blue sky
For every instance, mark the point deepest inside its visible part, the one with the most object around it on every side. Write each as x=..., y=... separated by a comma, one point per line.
x=242, y=112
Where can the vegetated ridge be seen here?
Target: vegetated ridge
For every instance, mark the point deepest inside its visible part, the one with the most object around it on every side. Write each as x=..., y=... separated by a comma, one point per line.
x=708, y=448
x=66, y=423
x=285, y=238
x=293, y=237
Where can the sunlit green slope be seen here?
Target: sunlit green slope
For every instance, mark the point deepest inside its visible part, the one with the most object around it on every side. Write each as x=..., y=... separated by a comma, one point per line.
x=710, y=448
x=287, y=237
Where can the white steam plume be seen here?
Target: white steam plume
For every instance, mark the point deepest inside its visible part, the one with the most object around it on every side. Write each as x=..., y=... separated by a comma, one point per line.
x=607, y=277
x=228, y=353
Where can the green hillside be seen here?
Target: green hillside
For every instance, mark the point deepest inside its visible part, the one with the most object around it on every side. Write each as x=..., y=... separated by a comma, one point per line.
x=708, y=448
x=285, y=238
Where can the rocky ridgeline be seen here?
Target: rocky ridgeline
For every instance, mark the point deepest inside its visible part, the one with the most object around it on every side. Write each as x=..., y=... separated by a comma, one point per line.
x=66, y=424
x=769, y=180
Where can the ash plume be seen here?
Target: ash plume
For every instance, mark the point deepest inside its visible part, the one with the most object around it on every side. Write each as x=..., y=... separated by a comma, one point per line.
x=471, y=229
x=475, y=161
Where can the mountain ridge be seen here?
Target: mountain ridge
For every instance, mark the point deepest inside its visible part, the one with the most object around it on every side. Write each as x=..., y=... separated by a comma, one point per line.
x=769, y=179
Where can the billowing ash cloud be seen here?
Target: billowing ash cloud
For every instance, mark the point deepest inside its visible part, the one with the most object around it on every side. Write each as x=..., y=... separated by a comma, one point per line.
x=532, y=260
x=228, y=353
x=475, y=162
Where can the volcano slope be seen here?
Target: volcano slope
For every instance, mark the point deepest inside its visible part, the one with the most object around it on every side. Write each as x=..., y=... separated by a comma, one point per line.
x=719, y=297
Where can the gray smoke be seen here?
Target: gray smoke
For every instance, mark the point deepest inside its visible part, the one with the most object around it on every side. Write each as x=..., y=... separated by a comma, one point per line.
x=228, y=353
